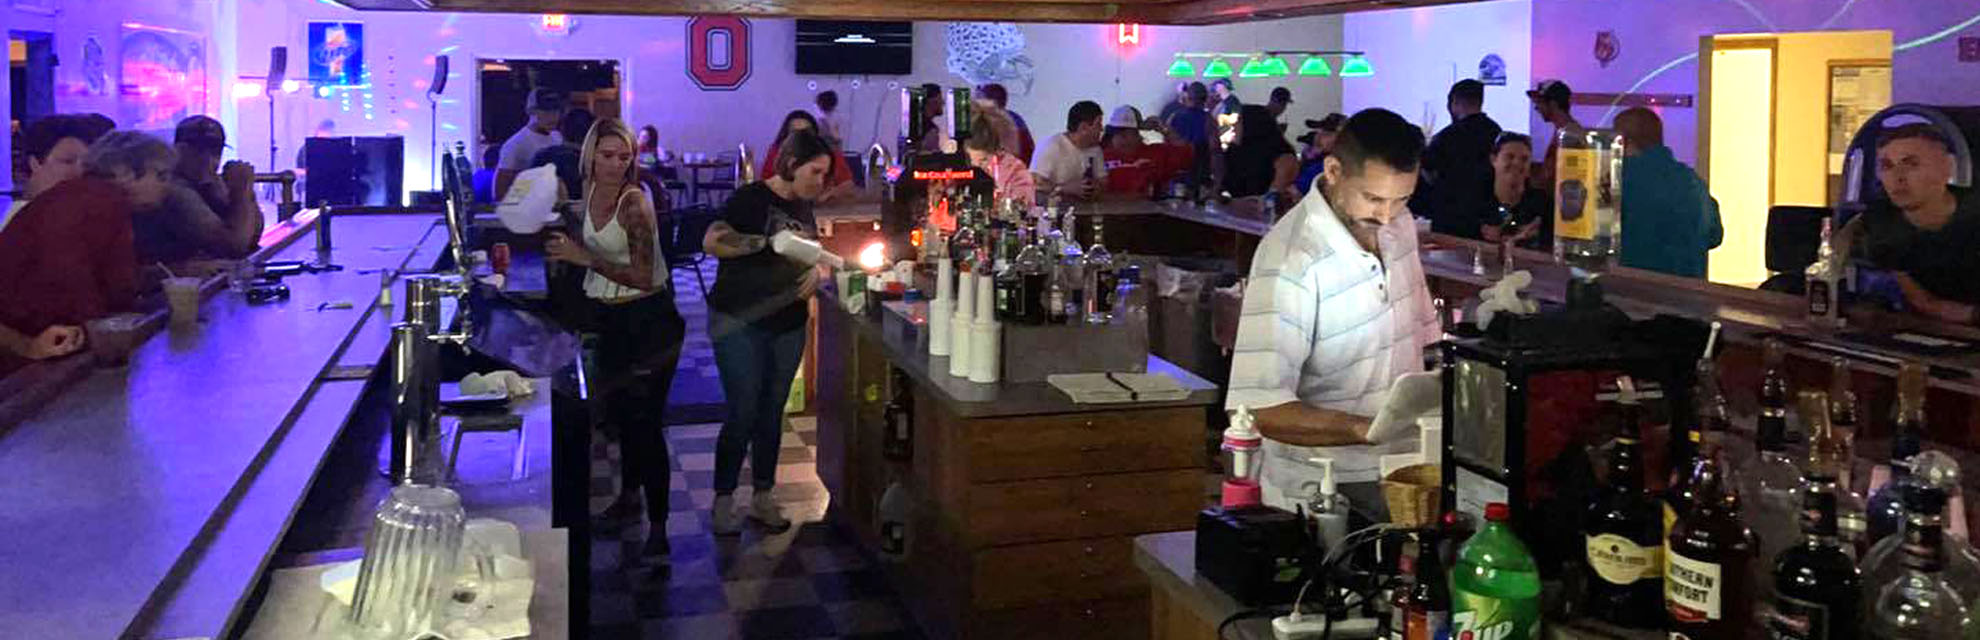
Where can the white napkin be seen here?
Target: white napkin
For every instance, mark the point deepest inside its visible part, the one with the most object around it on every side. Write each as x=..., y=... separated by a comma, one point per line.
x=1504, y=296
x=505, y=382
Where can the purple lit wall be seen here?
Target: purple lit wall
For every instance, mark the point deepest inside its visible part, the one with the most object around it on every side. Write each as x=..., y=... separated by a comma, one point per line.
x=170, y=47
x=1076, y=62
x=1413, y=78
x=1659, y=46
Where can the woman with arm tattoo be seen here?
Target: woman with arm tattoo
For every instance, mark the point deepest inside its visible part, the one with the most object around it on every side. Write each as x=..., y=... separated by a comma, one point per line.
x=639, y=330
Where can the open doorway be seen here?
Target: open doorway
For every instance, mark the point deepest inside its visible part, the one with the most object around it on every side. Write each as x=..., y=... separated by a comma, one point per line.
x=505, y=84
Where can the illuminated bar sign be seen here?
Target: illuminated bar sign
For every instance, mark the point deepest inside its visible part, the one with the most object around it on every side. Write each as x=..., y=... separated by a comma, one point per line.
x=1127, y=33
x=945, y=174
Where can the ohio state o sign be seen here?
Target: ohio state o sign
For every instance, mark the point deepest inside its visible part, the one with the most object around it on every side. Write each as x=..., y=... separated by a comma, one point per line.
x=718, y=52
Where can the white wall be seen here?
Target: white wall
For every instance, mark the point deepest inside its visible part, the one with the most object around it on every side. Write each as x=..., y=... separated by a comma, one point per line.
x=1074, y=62
x=1419, y=53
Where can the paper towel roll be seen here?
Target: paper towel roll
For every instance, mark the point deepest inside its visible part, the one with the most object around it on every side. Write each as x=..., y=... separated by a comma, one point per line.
x=960, y=349
x=986, y=351
x=945, y=276
x=939, y=311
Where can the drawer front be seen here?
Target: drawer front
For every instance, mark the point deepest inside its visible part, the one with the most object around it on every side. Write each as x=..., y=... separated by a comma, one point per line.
x=1083, y=507
x=1077, y=444
x=1119, y=619
x=1054, y=572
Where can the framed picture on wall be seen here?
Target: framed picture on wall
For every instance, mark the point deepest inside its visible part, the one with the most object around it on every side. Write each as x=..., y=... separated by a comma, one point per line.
x=162, y=77
x=336, y=54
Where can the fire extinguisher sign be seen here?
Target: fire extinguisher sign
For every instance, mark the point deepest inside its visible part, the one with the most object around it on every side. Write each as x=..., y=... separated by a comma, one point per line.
x=718, y=52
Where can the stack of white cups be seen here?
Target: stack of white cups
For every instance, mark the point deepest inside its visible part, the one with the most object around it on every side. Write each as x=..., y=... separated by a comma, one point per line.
x=960, y=352
x=986, y=340
x=941, y=308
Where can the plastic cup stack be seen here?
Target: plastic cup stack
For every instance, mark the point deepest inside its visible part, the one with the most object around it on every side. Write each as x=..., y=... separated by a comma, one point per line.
x=986, y=339
x=959, y=329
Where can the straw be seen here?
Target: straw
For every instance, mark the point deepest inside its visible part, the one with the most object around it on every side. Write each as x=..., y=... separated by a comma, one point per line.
x=168, y=270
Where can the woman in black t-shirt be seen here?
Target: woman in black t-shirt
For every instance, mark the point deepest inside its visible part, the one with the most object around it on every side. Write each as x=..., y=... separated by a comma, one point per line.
x=758, y=309
x=1262, y=161
x=1526, y=212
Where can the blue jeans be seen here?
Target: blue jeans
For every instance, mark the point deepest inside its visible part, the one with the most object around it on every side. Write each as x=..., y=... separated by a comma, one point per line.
x=757, y=366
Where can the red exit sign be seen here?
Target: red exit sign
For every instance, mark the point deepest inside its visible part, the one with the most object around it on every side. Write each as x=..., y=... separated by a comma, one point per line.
x=1969, y=49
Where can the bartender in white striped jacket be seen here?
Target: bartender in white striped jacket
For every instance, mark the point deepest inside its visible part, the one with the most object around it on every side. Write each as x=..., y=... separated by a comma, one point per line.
x=1335, y=310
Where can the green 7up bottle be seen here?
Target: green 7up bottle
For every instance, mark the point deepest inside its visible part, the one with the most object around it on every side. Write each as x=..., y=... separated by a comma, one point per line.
x=1495, y=591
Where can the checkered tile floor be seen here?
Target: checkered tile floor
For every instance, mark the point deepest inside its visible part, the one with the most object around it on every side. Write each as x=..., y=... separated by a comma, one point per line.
x=696, y=395
x=808, y=582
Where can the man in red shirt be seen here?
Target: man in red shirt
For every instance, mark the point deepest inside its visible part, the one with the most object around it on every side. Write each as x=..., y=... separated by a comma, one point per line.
x=67, y=257
x=1136, y=167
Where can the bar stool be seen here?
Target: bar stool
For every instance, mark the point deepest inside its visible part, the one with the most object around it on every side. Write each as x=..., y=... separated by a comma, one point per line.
x=493, y=422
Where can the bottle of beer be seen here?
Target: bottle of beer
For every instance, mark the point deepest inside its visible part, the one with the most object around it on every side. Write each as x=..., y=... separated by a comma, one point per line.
x=1708, y=580
x=1624, y=534
x=1887, y=502
x=1817, y=591
x=1852, y=510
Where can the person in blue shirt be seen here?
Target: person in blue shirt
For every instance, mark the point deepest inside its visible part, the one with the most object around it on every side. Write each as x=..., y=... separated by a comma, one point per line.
x=1669, y=219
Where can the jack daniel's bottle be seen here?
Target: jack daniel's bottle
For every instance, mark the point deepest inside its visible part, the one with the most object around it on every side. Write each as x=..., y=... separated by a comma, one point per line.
x=1824, y=284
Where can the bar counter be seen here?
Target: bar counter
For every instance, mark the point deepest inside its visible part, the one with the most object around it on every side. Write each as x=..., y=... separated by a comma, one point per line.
x=1023, y=504
x=143, y=501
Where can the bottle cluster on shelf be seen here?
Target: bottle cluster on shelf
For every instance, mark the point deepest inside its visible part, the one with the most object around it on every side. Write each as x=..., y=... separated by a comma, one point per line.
x=1041, y=274
x=1766, y=544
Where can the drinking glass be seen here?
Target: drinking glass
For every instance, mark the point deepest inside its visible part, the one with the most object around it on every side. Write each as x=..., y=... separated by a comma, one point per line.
x=410, y=556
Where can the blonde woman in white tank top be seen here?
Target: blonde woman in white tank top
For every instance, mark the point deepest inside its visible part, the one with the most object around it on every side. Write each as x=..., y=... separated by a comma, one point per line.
x=639, y=330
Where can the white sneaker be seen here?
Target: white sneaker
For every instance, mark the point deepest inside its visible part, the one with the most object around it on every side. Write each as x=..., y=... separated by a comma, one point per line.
x=763, y=508
x=723, y=517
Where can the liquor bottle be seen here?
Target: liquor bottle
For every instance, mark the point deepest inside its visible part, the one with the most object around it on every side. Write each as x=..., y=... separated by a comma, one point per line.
x=1624, y=535
x=1130, y=297
x=1887, y=502
x=1057, y=295
x=1010, y=298
x=1429, y=614
x=1852, y=510
x=1816, y=588
x=1936, y=471
x=1099, y=274
x=1072, y=270
x=1034, y=273
x=1709, y=556
x=1713, y=418
x=1769, y=489
x=1495, y=588
x=1395, y=626
x=1920, y=603
x=1824, y=284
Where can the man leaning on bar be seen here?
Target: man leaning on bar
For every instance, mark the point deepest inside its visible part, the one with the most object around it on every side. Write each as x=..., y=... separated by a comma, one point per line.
x=1335, y=311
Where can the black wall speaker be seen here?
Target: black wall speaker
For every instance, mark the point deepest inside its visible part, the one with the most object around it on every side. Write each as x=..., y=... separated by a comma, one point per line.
x=278, y=68
x=439, y=75
x=363, y=170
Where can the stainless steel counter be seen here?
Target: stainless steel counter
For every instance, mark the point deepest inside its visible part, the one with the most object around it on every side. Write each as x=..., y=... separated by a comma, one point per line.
x=143, y=501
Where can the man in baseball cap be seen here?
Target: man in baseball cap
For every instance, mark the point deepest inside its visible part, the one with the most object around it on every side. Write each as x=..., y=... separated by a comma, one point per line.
x=1133, y=165
x=1552, y=100
x=546, y=107
x=209, y=210
x=1281, y=98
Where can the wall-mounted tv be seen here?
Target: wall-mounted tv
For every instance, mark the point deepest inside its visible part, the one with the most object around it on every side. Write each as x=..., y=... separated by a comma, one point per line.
x=843, y=47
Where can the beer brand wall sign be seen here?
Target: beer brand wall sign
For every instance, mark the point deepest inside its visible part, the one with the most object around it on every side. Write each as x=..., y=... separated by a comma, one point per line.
x=1607, y=47
x=718, y=52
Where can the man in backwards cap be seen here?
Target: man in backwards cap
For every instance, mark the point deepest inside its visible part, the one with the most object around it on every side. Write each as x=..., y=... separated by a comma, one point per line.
x=209, y=210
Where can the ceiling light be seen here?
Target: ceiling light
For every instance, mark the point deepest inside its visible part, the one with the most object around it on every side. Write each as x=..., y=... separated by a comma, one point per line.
x=1254, y=68
x=1276, y=67
x=1182, y=69
x=1357, y=67
x=1217, y=69
x=1315, y=66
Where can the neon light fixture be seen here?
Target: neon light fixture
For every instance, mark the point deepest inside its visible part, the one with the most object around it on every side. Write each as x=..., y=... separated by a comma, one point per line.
x=1275, y=66
x=1182, y=69
x=1357, y=67
x=1217, y=69
x=1254, y=68
x=1315, y=66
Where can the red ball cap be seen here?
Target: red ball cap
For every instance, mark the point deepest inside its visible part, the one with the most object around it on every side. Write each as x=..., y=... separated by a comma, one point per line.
x=1498, y=512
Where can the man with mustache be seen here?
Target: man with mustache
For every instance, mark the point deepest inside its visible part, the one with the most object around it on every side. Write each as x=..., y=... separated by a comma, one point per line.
x=1336, y=309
